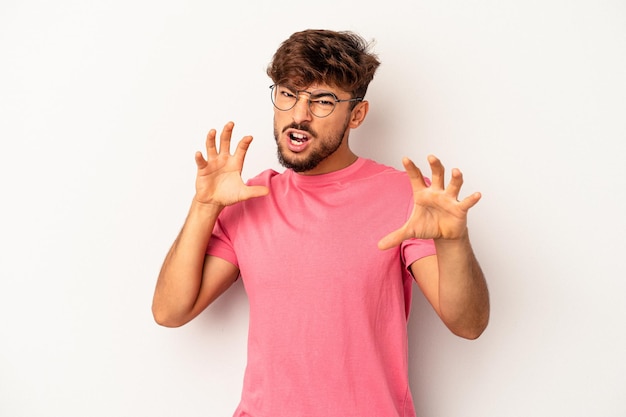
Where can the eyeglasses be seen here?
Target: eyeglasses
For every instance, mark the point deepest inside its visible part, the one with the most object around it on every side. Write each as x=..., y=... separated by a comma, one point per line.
x=321, y=103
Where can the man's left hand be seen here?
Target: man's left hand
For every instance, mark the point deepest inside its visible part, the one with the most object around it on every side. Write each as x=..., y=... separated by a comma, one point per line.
x=437, y=212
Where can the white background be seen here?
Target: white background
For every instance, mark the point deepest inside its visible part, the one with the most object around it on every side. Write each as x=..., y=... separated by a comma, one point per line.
x=103, y=104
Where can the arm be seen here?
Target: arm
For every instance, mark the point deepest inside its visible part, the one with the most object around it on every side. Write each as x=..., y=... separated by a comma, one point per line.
x=189, y=279
x=452, y=281
x=454, y=285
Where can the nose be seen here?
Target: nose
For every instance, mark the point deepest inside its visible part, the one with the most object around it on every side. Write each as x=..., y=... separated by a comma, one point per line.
x=301, y=111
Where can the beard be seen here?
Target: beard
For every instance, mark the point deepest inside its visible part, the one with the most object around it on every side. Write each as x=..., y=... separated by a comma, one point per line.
x=326, y=146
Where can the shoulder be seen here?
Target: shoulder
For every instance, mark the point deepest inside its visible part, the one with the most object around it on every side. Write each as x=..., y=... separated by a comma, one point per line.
x=386, y=176
x=264, y=178
x=374, y=168
x=388, y=173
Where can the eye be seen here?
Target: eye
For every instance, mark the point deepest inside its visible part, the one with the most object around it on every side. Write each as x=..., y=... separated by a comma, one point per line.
x=326, y=101
x=287, y=94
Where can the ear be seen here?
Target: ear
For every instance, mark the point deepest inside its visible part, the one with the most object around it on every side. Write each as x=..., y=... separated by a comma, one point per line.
x=358, y=114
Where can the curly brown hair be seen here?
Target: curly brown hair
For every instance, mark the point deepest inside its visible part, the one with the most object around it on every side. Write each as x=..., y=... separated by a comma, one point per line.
x=339, y=59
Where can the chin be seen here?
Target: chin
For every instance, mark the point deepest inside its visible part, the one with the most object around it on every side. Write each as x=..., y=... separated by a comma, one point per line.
x=296, y=164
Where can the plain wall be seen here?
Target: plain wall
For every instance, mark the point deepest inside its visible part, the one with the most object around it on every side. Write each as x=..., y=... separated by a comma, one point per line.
x=103, y=104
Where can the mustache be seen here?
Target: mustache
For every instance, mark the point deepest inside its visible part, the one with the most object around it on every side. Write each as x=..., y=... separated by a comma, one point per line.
x=299, y=126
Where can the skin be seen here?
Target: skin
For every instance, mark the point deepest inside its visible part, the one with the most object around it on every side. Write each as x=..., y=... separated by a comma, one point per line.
x=329, y=132
x=452, y=281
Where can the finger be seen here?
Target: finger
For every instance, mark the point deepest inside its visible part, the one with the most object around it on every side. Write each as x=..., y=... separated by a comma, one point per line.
x=225, y=136
x=254, y=191
x=456, y=181
x=414, y=173
x=209, y=144
x=437, y=170
x=392, y=240
x=242, y=148
x=200, y=161
x=470, y=201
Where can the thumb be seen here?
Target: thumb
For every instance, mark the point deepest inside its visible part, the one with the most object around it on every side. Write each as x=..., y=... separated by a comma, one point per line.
x=392, y=240
x=255, y=191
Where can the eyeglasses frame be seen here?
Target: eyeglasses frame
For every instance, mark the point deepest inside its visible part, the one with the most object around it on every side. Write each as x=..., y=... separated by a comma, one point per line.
x=335, y=100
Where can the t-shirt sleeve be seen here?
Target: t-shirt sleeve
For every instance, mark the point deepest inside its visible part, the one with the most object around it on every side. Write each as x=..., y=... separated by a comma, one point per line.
x=220, y=244
x=223, y=243
x=414, y=249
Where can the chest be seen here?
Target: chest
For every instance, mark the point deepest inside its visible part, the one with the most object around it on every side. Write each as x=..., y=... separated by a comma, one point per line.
x=319, y=243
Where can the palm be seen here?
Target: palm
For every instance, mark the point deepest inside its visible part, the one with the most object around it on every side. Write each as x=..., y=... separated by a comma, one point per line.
x=434, y=217
x=218, y=180
x=437, y=214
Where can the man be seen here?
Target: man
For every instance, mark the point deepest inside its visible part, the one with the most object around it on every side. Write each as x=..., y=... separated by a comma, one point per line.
x=327, y=277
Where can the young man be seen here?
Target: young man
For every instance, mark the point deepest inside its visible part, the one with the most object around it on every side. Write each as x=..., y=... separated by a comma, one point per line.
x=327, y=277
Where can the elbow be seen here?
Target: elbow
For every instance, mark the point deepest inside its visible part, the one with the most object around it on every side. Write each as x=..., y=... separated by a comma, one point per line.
x=165, y=319
x=469, y=327
x=470, y=332
x=474, y=331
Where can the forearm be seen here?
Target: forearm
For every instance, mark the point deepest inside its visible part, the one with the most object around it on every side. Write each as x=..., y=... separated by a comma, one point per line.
x=463, y=294
x=180, y=278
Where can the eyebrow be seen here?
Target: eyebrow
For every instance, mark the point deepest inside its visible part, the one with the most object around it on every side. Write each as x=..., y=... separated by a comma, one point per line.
x=314, y=93
x=322, y=94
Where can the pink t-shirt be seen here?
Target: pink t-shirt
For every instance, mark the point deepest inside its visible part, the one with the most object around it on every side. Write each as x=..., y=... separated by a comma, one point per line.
x=328, y=309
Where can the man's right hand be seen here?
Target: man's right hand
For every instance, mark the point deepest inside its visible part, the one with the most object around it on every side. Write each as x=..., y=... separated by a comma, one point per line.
x=218, y=181
x=190, y=279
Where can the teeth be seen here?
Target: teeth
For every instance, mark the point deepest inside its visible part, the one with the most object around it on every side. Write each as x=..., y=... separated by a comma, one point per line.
x=298, y=138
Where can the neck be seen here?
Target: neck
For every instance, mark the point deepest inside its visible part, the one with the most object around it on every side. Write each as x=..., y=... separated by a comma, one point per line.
x=342, y=158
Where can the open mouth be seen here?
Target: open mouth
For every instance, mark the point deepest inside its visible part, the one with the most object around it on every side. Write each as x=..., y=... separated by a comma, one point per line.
x=298, y=138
